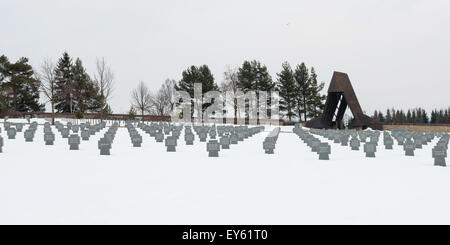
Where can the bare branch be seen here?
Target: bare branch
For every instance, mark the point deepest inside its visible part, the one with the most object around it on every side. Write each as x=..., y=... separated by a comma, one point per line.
x=47, y=77
x=104, y=78
x=141, y=98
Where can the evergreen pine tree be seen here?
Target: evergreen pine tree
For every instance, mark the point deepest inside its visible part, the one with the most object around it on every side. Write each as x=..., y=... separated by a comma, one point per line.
x=402, y=117
x=375, y=114
x=446, y=116
x=316, y=99
x=409, y=116
x=303, y=89
x=64, y=84
x=381, y=117
x=419, y=117
x=286, y=90
x=394, y=116
x=440, y=117
x=425, y=117
x=388, y=116
x=85, y=92
x=433, y=117
x=253, y=76
x=19, y=88
x=194, y=75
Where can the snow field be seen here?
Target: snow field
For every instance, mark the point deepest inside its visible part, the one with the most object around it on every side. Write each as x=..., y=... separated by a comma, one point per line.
x=42, y=184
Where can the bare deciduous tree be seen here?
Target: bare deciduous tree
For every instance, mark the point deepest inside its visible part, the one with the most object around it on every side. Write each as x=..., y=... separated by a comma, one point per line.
x=47, y=79
x=231, y=85
x=104, y=79
x=162, y=100
x=159, y=103
x=141, y=98
x=168, y=90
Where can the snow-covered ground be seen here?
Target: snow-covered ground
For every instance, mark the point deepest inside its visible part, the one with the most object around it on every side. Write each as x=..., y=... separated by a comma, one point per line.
x=42, y=184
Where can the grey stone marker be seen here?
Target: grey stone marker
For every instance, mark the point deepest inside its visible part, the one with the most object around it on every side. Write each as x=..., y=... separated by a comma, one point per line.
x=176, y=134
x=212, y=134
x=370, y=148
x=136, y=140
x=374, y=140
x=74, y=142
x=268, y=146
x=85, y=134
x=166, y=130
x=171, y=143
x=439, y=154
x=233, y=139
x=363, y=137
x=344, y=140
x=75, y=128
x=202, y=136
x=6, y=125
x=29, y=135
x=315, y=144
x=337, y=138
x=388, y=143
x=92, y=130
x=409, y=148
x=105, y=146
x=213, y=148
x=47, y=129
x=225, y=142
x=159, y=137
x=240, y=136
x=355, y=144
x=418, y=143
x=1, y=144
x=189, y=138
x=49, y=138
x=65, y=132
x=19, y=127
x=11, y=133
x=324, y=151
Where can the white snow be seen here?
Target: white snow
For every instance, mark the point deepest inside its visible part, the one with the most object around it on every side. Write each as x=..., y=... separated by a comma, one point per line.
x=42, y=184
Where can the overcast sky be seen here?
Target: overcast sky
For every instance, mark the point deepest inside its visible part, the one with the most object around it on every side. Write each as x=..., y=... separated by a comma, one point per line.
x=396, y=52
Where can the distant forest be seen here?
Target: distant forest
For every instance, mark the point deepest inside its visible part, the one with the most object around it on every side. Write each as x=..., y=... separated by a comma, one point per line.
x=413, y=116
x=68, y=88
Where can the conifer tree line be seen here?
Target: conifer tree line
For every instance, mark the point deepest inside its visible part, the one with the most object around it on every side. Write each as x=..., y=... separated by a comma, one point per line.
x=413, y=116
x=299, y=90
x=66, y=85
x=68, y=88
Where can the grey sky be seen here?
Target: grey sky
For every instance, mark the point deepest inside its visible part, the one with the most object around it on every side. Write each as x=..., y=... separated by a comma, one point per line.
x=395, y=52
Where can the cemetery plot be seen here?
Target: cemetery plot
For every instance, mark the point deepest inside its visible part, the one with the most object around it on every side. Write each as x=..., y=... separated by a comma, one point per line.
x=223, y=137
x=271, y=140
x=439, y=152
x=322, y=149
x=304, y=161
x=409, y=141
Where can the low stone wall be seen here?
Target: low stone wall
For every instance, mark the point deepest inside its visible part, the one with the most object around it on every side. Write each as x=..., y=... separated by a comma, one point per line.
x=419, y=128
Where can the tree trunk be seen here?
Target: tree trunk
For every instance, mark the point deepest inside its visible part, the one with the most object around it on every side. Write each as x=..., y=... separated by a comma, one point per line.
x=53, y=111
x=235, y=111
x=304, y=107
